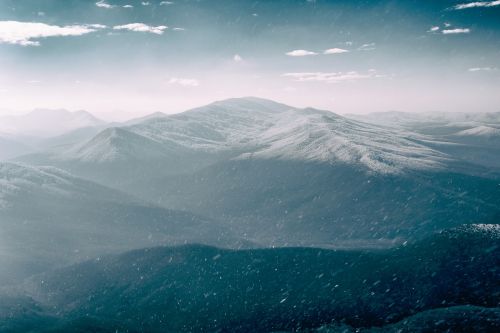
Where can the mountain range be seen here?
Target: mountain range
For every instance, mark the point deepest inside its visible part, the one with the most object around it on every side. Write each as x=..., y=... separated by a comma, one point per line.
x=250, y=215
x=279, y=175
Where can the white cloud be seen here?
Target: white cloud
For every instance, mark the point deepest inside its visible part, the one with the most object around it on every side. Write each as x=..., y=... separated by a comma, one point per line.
x=335, y=50
x=332, y=77
x=480, y=69
x=103, y=4
x=26, y=33
x=434, y=29
x=237, y=58
x=178, y=29
x=446, y=24
x=141, y=27
x=477, y=4
x=145, y=3
x=128, y=6
x=95, y=26
x=184, y=82
x=456, y=31
x=300, y=53
x=367, y=47
x=166, y=3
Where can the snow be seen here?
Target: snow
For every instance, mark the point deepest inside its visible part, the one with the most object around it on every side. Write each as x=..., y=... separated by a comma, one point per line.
x=480, y=131
x=16, y=179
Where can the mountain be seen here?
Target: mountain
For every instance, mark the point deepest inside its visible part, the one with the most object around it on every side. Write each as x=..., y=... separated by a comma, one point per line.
x=198, y=289
x=10, y=148
x=51, y=218
x=280, y=175
x=46, y=122
x=472, y=137
x=480, y=131
x=450, y=319
x=266, y=129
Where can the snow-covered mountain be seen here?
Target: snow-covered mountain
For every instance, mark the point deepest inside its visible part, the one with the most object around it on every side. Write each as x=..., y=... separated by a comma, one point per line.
x=448, y=119
x=46, y=122
x=470, y=137
x=257, y=128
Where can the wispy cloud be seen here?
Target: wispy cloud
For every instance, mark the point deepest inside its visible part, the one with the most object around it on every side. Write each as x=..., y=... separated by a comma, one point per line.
x=367, y=47
x=237, y=58
x=26, y=33
x=166, y=3
x=331, y=77
x=141, y=27
x=300, y=53
x=103, y=4
x=128, y=6
x=477, y=4
x=184, y=82
x=145, y=3
x=335, y=50
x=456, y=31
x=434, y=29
x=482, y=69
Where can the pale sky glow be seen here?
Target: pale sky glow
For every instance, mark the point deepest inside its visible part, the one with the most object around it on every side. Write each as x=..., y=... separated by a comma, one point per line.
x=117, y=58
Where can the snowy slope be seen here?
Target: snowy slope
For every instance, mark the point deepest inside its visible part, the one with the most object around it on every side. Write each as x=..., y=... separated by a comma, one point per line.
x=321, y=136
x=114, y=144
x=480, y=131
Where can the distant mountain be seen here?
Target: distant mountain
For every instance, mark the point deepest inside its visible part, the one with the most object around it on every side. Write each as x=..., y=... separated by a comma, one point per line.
x=471, y=137
x=47, y=122
x=203, y=289
x=287, y=176
x=433, y=120
x=51, y=218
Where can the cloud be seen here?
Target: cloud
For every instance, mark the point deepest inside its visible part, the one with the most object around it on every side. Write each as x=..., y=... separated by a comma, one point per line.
x=24, y=33
x=103, y=4
x=332, y=77
x=482, y=69
x=434, y=29
x=145, y=3
x=335, y=50
x=456, y=31
x=237, y=58
x=477, y=4
x=367, y=47
x=141, y=27
x=178, y=29
x=128, y=6
x=166, y=3
x=184, y=82
x=300, y=53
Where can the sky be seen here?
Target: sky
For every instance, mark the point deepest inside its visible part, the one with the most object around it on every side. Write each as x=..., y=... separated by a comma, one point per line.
x=124, y=58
